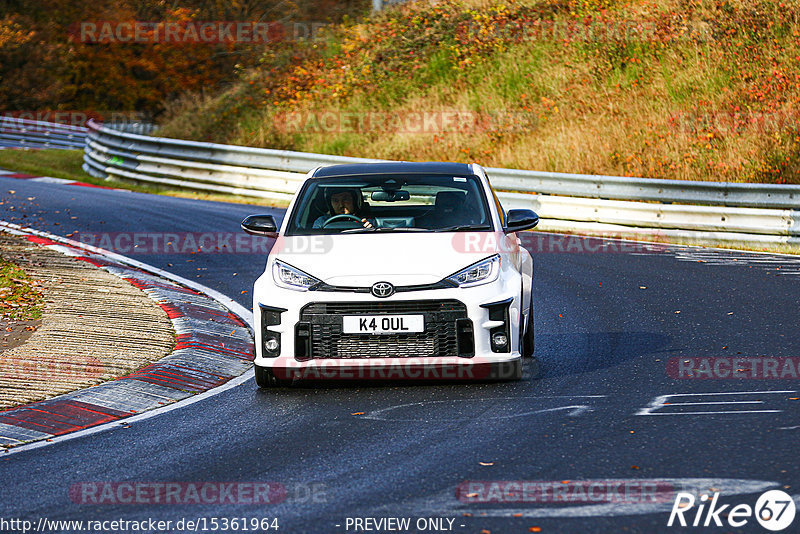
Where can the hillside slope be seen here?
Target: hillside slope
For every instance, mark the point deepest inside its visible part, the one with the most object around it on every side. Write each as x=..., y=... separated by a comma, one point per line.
x=701, y=90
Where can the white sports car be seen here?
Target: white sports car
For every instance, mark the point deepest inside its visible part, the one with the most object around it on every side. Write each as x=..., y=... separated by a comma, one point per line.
x=392, y=271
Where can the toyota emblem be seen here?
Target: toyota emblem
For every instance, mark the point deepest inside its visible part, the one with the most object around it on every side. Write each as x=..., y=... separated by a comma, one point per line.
x=382, y=289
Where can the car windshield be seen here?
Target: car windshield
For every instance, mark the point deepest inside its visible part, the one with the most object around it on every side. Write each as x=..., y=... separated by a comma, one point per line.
x=390, y=203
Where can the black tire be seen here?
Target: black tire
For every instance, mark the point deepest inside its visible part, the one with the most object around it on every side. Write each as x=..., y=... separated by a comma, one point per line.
x=526, y=341
x=534, y=366
x=516, y=373
x=507, y=371
x=265, y=378
x=530, y=343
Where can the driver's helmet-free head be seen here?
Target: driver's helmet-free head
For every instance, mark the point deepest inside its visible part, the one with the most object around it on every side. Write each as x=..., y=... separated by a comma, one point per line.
x=355, y=192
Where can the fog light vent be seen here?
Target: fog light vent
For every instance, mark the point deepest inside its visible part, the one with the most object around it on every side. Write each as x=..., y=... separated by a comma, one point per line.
x=271, y=340
x=498, y=336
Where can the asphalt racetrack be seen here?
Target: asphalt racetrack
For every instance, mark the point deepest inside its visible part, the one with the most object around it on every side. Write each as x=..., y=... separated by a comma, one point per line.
x=611, y=409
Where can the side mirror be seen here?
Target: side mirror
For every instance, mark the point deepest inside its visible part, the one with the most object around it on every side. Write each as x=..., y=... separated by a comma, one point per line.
x=263, y=225
x=518, y=220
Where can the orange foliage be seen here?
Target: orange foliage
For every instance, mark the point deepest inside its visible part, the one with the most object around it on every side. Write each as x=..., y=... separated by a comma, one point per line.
x=46, y=64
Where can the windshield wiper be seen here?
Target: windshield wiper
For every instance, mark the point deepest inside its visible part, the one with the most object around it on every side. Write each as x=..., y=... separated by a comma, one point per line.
x=384, y=229
x=402, y=229
x=358, y=230
x=461, y=227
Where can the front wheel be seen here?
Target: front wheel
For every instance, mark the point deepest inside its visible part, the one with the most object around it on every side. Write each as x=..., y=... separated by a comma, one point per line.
x=526, y=339
x=265, y=378
x=506, y=371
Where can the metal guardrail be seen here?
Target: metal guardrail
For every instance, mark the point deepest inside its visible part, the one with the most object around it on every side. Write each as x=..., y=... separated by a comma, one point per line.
x=649, y=189
x=140, y=128
x=695, y=210
x=26, y=133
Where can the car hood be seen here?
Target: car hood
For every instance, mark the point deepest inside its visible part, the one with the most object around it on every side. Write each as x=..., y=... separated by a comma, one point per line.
x=399, y=258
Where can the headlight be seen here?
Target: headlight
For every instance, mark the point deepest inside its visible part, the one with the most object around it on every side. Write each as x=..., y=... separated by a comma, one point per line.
x=483, y=272
x=290, y=277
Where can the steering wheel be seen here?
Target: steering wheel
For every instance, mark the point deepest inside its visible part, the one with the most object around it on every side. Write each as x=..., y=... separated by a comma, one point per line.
x=341, y=217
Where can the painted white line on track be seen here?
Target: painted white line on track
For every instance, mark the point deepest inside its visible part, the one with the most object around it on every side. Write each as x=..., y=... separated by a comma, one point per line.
x=731, y=393
x=712, y=413
x=574, y=409
x=719, y=402
x=662, y=401
x=245, y=314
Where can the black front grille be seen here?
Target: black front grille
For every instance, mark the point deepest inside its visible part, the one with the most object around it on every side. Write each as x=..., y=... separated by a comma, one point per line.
x=448, y=331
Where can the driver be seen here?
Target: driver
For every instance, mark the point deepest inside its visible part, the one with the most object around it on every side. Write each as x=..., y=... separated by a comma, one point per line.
x=344, y=202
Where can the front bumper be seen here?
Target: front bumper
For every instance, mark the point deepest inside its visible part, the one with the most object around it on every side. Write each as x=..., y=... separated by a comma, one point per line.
x=282, y=315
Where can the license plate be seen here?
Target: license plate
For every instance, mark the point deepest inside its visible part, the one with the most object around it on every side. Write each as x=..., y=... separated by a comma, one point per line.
x=383, y=324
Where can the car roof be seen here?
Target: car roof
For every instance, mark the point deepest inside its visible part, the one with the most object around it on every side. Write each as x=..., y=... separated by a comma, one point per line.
x=394, y=167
